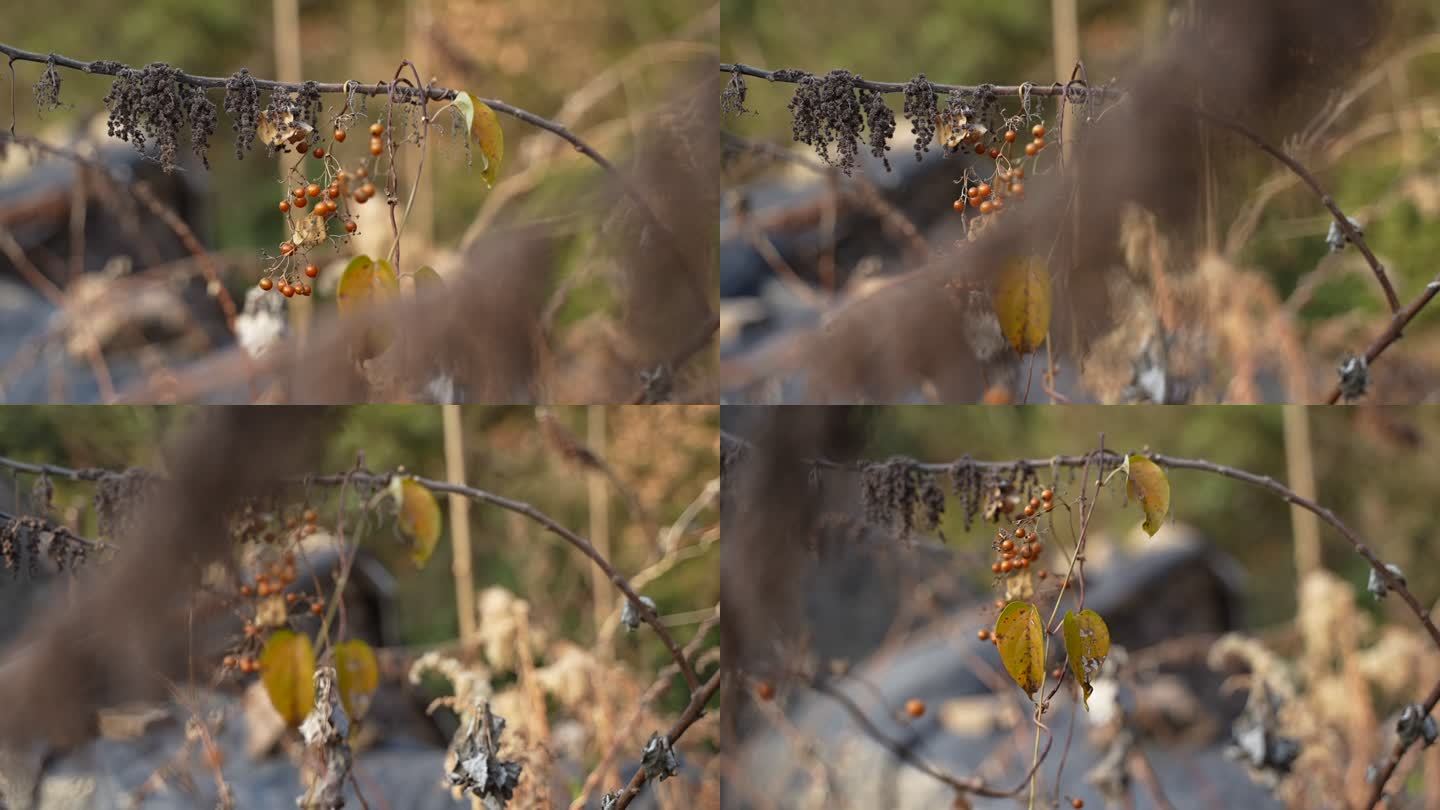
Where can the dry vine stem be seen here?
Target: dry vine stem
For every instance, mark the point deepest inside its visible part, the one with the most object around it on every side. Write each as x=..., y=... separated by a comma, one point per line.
x=1104, y=458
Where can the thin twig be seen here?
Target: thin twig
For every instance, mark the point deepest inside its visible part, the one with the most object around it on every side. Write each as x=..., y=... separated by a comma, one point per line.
x=1076, y=90
x=1392, y=333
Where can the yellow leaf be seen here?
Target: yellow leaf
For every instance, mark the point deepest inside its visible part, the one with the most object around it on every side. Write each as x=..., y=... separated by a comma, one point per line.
x=363, y=284
x=1020, y=637
x=418, y=517
x=1087, y=642
x=1022, y=304
x=1147, y=483
x=359, y=676
x=287, y=669
x=484, y=127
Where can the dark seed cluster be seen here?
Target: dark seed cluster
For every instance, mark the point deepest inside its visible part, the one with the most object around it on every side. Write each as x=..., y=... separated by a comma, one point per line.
x=732, y=98
x=42, y=495
x=47, y=89
x=893, y=492
x=148, y=106
x=27, y=540
x=919, y=110
x=242, y=104
x=119, y=498
x=880, y=120
x=310, y=103
x=825, y=110
x=200, y=112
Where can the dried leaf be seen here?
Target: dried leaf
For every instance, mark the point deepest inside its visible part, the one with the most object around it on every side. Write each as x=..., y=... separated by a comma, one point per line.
x=287, y=667
x=1087, y=642
x=359, y=676
x=309, y=231
x=1020, y=636
x=1022, y=304
x=418, y=517
x=1147, y=484
x=485, y=129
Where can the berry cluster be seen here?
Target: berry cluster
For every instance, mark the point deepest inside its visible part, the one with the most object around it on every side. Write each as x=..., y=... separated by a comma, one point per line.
x=266, y=601
x=988, y=195
x=1019, y=548
x=330, y=197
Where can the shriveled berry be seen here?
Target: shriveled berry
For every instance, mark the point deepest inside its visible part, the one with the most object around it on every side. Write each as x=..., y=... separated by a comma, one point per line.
x=287, y=248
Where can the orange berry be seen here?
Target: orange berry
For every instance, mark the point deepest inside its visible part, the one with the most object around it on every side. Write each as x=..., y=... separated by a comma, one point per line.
x=377, y=129
x=1029, y=511
x=287, y=248
x=959, y=204
x=362, y=173
x=1043, y=574
x=313, y=190
x=369, y=189
x=1077, y=803
x=317, y=607
x=339, y=135
x=1020, y=533
x=1047, y=494
x=301, y=202
x=1035, y=502
x=1018, y=173
x=291, y=598
x=987, y=207
x=995, y=567
x=915, y=707
x=298, y=191
x=284, y=206
x=350, y=226
x=1005, y=566
x=998, y=202
x=1022, y=563
x=376, y=147
x=765, y=690
x=289, y=292
x=993, y=153
x=1038, y=131
x=311, y=270
x=1010, y=136
x=985, y=190
x=1030, y=150
x=1017, y=189
x=1039, y=144
x=319, y=152
x=983, y=635
x=979, y=148
x=333, y=192
x=266, y=284
x=229, y=662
